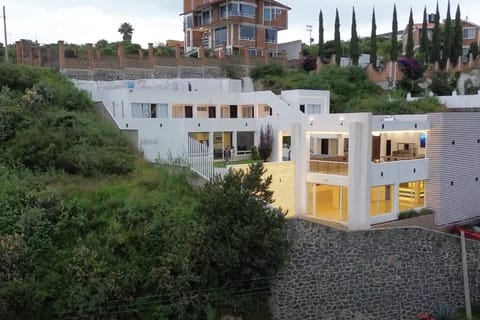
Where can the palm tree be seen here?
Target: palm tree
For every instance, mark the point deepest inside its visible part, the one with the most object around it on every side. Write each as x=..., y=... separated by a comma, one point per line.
x=126, y=30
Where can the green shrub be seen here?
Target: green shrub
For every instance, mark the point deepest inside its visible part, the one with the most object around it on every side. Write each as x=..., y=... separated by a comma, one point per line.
x=412, y=213
x=444, y=312
x=264, y=71
x=407, y=214
x=254, y=153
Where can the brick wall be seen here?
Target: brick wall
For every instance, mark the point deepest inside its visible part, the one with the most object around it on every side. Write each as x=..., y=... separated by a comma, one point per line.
x=381, y=274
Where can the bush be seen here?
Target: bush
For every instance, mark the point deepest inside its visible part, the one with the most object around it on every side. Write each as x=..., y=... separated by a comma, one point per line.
x=443, y=83
x=412, y=213
x=254, y=153
x=265, y=71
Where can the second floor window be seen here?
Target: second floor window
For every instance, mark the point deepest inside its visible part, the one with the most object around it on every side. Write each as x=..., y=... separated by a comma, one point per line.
x=220, y=36
x=246, y=10
x=188, y=22
x=206, y=17
x=247, y=32
x=271, y=35
x=468, y=33
x=237, y=9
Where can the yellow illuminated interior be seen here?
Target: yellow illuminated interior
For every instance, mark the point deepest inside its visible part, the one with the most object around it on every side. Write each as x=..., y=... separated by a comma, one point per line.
x=411, y=195
x=381, y=200
x=328, y=202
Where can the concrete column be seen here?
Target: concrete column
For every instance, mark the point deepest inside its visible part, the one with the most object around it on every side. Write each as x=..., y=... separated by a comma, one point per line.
x=61, y=54
x=121, y=55
x=265, y=56
x=91, y=62
x=359, y=159
x=151, y=59
x=300, y=156
x=140, y=53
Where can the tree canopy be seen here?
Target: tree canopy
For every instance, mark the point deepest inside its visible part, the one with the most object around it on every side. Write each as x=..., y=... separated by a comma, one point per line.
x=126, y=30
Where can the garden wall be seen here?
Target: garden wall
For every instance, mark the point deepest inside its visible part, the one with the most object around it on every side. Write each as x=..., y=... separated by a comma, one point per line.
x=380, y=274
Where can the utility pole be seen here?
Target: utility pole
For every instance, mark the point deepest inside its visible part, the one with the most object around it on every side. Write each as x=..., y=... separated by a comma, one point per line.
x=309, y=29
x=5, y=33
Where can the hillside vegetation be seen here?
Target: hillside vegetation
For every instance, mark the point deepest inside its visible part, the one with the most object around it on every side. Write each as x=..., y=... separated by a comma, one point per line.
x=350, y=89
x=89, y=229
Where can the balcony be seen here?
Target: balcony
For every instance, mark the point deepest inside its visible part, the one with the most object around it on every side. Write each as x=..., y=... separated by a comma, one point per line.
x=335, y=165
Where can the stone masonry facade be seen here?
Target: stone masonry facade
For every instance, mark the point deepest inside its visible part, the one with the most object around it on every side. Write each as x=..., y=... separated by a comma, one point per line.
x=379, y=274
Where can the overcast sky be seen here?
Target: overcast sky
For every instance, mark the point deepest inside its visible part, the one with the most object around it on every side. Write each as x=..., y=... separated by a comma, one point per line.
x=87, y=21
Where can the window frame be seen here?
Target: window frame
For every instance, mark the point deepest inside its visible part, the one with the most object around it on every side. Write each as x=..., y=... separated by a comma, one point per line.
x=253, y=28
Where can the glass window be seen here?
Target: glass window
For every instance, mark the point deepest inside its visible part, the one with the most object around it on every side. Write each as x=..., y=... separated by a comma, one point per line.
x=267, y=14
x=206, y=17
x=162, y=110
x=220, y=36
x=247, y=10
x=141, y=110
x=468, y=33
x=411, y=195
x=245, y=141
x=314, y=108
x=271, y=35
x=247, y=32
x=189, y=22
x=223, y=11
x=252, y=52
x=381, y=200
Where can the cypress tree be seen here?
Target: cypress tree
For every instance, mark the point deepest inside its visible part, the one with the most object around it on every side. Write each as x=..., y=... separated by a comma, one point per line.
x=409, y=49
x=435, y=53
x=336, y=40
x=373, y=42
x=457, y=38
x=354, y=51
x=447, y=36
x=424, y=38
x=321, y=46
x=394, y=46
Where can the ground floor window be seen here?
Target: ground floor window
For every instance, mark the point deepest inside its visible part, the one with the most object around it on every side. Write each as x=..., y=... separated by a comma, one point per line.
x=411, y=195
x=245, y=142
x=221, y=140
x=328, y=202
x=381, y=200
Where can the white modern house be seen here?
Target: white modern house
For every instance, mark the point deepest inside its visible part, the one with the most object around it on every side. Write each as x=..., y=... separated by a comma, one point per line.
x=353, y=169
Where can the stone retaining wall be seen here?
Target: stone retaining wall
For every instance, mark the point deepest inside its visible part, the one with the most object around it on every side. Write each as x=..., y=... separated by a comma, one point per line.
x=380, y=274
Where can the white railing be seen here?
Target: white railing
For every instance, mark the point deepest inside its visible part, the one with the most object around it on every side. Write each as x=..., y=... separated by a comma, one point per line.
x=200, y=159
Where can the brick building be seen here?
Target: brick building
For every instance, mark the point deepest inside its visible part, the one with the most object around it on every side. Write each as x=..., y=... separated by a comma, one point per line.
x=231, y=26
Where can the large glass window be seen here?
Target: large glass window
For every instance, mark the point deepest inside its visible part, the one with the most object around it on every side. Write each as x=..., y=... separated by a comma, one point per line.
x=381, y=200
x=188, y=22
x=468, y=33
x=328, y=202
x=220, y=36
x=247, y=10
x=267, y=14
x=237, y=9
x=271, y=35
x=206, y=17
x=411, y=195
x=247, y=32
x=245, y=141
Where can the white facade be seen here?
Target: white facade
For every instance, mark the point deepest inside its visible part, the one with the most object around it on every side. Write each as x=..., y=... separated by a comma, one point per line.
x=355, y=169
